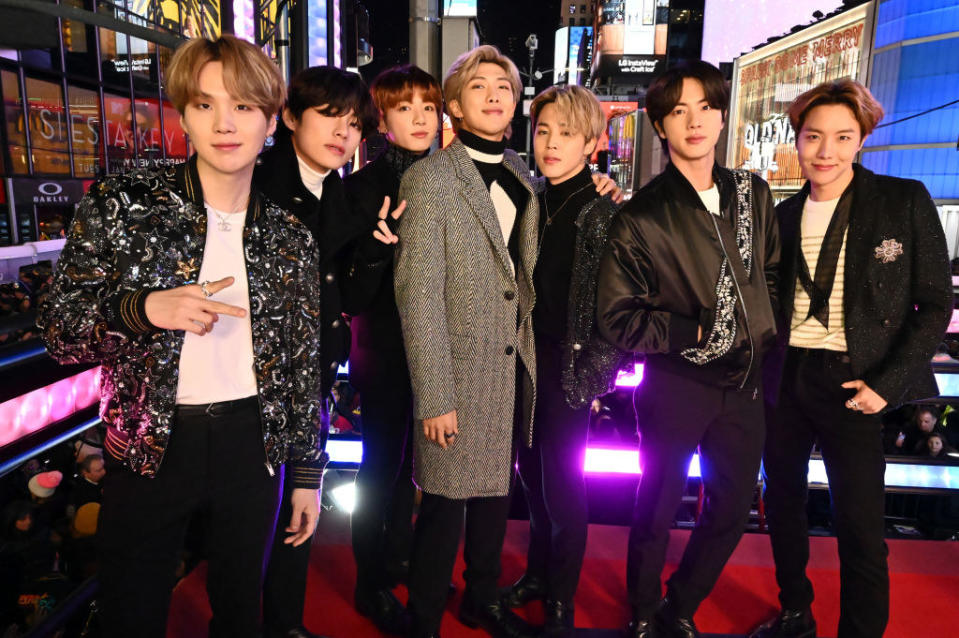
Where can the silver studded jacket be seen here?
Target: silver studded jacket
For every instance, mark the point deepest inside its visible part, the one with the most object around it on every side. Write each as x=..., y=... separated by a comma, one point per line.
x=145, y=231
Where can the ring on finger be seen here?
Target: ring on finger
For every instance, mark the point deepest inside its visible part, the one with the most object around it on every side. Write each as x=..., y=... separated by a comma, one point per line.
x=203, y=287
x=853, y=404
x=449, y=435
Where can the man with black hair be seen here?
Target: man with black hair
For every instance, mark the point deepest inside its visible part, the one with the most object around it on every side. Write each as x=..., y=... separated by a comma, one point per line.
x=328, y=111
x=687, y=279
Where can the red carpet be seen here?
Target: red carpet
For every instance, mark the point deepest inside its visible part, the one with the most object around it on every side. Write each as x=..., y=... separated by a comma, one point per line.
x=924, y=574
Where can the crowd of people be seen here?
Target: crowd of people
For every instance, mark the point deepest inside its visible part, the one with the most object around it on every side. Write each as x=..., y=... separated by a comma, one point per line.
x=489, y=309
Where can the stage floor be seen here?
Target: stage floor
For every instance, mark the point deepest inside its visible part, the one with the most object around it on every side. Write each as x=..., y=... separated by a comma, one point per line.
x=924, y=587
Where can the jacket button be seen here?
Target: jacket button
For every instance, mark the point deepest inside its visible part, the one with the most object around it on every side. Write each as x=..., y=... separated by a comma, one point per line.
x=334, y=366
x=886, y=323
x=510, y=295
x=336, y=323
x=879, y=285
x=577, y=347
x=297, y=200
x=509, y=349
x=329, y=278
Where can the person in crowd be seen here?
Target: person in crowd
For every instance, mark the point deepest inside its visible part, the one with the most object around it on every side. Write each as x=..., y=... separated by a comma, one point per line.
x=409, y=101
x=936, y=446
x=573, y=363
x=345, y=413
x=327, y=113
x=200, y=300
x=88, y=487
x=689, y=280
x=464, y=289
x=911, y=440
x=866, y=297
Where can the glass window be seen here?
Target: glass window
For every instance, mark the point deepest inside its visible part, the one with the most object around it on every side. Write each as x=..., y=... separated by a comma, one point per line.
x=114, y=58
x=78, y=44
x=13, y=116
x=85, y=131
x=119, y=136
x=174, y=137
x=49, y=145
x=44, y=42
x=572, y=9
x=146, y=127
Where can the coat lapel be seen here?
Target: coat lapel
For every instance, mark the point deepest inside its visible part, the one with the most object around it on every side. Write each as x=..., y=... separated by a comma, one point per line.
x=790, y=220
x=859, y=237
x=479, y=200
x=529, y=229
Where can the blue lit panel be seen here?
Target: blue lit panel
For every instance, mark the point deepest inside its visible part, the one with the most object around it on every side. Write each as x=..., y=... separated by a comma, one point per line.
x=906, y=19
x=317, y=32
x=948, y=384
x=937, y=168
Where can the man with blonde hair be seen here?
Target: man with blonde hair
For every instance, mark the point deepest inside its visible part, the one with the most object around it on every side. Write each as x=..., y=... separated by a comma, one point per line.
x=204, y=399
x=464, y=290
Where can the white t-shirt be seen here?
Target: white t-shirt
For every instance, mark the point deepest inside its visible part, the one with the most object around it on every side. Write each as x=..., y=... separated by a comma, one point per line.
x=219, y=365
x=710, y=199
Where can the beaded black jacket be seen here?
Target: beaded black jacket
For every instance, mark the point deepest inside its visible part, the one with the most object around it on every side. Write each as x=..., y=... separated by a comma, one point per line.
x=590, y=363
x=145, y=231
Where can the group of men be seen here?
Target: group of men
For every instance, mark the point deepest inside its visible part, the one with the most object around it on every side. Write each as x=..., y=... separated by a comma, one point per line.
x=213, y=294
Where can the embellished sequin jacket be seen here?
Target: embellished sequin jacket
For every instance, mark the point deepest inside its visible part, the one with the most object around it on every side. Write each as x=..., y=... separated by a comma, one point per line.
x=590, y=362
x=145, y=231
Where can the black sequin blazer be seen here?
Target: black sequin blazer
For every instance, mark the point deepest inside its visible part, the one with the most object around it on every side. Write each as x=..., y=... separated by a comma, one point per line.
x=590, y=363
x=145, y=231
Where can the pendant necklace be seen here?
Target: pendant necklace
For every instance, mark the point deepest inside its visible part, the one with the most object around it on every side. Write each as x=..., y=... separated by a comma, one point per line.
x=550, y=218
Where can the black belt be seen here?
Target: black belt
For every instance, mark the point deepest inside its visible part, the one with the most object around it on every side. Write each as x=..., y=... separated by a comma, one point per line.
x=819, y=353
x=219, y=409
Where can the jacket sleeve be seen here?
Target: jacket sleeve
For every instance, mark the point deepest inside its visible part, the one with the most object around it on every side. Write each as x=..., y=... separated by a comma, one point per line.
x=87, y=317
x=369, y=263
x=773, y=246
x=307, y=452
x=625, y=308
x=930, y=303
x=420, y=285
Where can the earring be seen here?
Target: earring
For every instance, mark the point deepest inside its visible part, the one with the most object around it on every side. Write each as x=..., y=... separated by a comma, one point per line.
x=269, y=140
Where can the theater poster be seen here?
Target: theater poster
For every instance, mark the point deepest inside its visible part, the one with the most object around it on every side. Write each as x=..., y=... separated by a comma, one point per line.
x=767, y=80
x=135, y=136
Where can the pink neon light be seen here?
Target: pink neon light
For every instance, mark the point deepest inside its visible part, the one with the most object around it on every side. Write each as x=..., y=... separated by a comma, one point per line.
x=39, y=408
x=623, y=461
x=627, y=379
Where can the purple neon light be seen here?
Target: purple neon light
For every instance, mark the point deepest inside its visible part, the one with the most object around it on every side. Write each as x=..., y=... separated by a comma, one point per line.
x=623, y=461
x=627, y=379
x=38, y=408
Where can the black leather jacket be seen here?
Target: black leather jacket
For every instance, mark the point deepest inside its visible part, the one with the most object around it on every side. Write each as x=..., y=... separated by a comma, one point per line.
x=145, y=231
x=661, y=279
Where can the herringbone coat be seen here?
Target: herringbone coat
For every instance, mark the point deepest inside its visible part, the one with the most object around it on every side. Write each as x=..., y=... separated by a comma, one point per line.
x=465, y=317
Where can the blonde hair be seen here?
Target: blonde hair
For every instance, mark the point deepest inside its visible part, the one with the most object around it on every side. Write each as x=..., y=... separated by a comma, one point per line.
x=248, y=74
x=578, y=106
x=464, y=69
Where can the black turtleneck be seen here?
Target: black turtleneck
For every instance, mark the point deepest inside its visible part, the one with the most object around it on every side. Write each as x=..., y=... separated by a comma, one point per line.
x=497, y=172
x=559, y=206
x=399, y=159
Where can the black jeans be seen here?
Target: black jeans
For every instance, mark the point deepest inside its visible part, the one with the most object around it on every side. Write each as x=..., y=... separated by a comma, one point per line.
x=382, y=522
x=552, y=476
x=812, y=409
x=215, y=465
x=439, y=526
x=676, y=415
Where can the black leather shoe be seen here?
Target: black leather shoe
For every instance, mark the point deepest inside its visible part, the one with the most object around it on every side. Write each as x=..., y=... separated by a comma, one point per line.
x=496, y=619
x=525, y=590
x=790, y=623
x=559, y=620
x=640, y=628
x=384, y=609
x=669, y=624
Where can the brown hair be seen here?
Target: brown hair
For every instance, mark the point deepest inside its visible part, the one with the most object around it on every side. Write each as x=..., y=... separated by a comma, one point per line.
x=248, y=74
x=666, y=90
x=399, y=84
x=577, y=105
x=865, y=108
x=464, y=68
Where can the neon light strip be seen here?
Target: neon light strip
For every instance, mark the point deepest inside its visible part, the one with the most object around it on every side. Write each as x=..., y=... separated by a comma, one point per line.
x=626, y=379
x=22, y=356
x=38, y=408
x=19, y=460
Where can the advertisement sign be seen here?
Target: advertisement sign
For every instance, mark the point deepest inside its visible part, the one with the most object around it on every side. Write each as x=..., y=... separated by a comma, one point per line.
x=560, y=55
x=134, y=137
x=459, y=8
x=47, y=192
x=631, y=39
x=46, y=117
x=569, y=42
x=611, y=109
x=766, y=81
x=192, y=18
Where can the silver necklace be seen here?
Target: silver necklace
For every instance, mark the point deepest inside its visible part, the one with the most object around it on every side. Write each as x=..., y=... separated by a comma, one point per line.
x=550, y=218
x=224, y=222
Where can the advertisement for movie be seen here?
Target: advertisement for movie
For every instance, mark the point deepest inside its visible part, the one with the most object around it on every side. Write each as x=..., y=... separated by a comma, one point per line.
x=766, y=81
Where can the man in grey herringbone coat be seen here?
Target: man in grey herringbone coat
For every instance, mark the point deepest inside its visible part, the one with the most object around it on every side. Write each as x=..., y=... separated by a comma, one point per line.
x=464, y=289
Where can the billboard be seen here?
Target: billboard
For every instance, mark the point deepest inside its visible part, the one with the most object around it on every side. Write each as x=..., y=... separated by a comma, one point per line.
x=568, y=61
x=631, y=39
x=459, y=8
x=766, y=81
x=725, y=39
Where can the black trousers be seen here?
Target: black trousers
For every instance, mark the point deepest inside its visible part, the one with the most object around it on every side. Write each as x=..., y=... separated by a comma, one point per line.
x=439, y=526
x=552, y=477
x=676, y=415
x=382, y=522
x=215, y=465
x=284, y=585
x=812, y=409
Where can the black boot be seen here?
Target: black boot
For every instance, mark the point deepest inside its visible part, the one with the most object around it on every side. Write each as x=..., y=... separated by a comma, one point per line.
x=525, y=590
x=495, y=618
x=670, y=624
x=559, y=620
x=790, y=623
x=640, y=628
x=384, y=609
